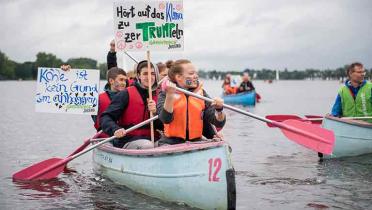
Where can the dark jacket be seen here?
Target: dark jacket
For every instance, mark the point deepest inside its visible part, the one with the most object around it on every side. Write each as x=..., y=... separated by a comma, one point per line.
x=111, y=60
x=114, y=112
x=245, y=86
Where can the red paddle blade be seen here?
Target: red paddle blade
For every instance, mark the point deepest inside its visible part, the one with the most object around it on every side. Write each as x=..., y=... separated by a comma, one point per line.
x=281, y=118
x=46, y=169
x=311, y=136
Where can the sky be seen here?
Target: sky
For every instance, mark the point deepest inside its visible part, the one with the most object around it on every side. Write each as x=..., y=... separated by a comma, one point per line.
x=222, y=35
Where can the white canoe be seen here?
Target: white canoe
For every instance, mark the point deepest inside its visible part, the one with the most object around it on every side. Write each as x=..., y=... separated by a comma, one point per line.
x=200, y=175
x=353, y=137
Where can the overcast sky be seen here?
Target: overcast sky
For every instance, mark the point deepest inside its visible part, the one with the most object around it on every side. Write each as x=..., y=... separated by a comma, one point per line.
x=222, y=35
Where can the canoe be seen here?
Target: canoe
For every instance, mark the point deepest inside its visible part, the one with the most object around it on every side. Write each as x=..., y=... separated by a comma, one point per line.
x=199, y=175
x=245, y=98
x=353, y=137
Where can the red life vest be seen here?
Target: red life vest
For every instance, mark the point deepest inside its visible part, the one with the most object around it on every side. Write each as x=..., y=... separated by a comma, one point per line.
x=136, y=112
x=103, y=102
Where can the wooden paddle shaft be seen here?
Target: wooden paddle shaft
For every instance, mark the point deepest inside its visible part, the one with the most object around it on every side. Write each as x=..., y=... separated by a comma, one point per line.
x=224, y=105
x=150, y=92
x=277, y=124
x=113, y=137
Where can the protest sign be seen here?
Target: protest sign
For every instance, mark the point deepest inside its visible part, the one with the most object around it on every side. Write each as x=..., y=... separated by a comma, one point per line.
x=148, y=25
x=74, y=91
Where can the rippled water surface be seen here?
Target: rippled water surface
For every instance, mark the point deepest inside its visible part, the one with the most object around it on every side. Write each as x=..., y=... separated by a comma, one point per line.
x=271, y=171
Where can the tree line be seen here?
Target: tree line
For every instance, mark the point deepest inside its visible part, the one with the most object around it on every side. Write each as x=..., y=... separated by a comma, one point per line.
x=270, y=74
x=11, y=70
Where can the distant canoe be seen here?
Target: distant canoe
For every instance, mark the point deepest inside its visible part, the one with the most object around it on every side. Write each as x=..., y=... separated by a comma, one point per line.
x=200, y=175
x=353, y=137
x=245, y=98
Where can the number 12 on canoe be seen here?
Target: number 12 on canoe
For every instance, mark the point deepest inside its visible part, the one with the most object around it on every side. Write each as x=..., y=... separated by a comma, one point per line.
x=214, y=168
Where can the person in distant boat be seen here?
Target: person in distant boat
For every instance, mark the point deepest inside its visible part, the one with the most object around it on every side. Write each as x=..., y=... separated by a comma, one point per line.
x=111, y=56
x=246, y=84
x=183, y=116
x=131, y=107
x=116, y=81
x=226, y=85
x=354, y=99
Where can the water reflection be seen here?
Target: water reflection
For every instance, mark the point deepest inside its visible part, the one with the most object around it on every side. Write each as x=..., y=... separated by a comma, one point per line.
x=43, y=189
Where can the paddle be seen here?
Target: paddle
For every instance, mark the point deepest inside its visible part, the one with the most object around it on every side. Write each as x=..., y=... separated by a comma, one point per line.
x=308, y=135
x=314, y=119
x=85, y=144
x=50, y=168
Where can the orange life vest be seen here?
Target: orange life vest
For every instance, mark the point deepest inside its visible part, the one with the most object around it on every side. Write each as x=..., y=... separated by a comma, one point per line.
x=229, y=90
x=187, y=115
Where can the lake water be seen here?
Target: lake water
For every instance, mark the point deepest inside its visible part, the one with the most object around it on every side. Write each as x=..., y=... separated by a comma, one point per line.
x=272, y=172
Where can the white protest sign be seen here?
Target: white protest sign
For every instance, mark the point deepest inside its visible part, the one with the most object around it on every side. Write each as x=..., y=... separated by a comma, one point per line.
x=148, y=25
x=235, y=80
x=74, y=91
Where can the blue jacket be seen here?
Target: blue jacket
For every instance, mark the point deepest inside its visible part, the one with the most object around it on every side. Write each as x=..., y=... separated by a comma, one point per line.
x=337, y=107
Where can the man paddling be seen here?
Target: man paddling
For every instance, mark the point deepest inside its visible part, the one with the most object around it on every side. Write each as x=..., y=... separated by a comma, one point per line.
x=354, y=98
x=246, y=84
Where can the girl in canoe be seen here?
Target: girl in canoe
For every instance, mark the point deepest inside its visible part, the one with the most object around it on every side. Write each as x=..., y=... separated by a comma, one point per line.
x=131, y=107
x=182, y=115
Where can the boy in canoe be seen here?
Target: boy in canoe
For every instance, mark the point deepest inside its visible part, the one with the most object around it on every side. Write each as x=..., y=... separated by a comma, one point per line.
x=131, y=107
x=183, y=116
x=354, y=99
x=116, y=81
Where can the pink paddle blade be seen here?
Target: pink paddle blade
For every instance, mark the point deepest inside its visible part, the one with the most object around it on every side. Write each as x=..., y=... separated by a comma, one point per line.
x=28, y=172
x=311, y=136
x=280, y=118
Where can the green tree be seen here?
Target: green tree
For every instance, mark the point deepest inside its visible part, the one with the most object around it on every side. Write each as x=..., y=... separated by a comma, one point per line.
x=6, y=67
x=24, y=70
x=82, y=63
x=102, y=71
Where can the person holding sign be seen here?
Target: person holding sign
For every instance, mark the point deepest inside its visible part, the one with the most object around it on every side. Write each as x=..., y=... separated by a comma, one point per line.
x=111, y=56
x=183, y=116
x=116, y=82
x=130, y=107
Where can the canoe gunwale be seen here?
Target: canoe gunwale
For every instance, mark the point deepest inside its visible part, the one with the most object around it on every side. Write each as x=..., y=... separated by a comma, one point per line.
x=359, y=123
x=164, y=150
x=239, y=94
